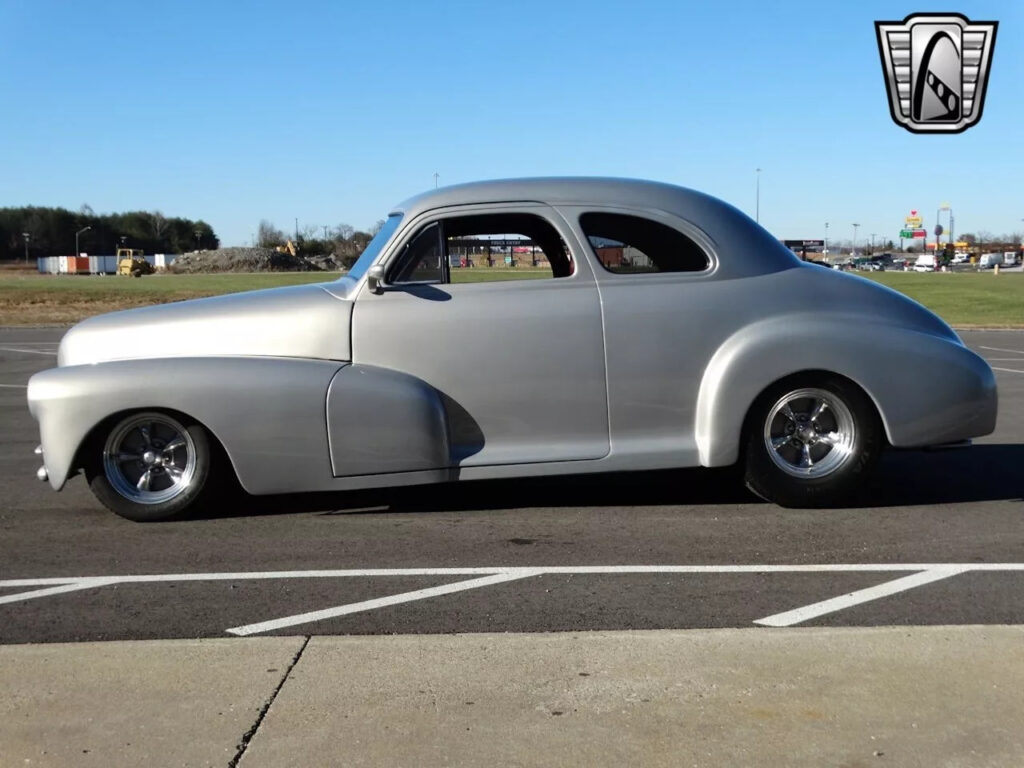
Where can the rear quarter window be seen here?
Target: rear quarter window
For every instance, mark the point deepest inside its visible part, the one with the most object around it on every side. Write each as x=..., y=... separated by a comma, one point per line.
x=627, y=245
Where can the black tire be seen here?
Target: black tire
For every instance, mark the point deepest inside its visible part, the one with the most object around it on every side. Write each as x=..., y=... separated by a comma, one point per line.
x=136, y=273
x=818, y=460
x=174, y=452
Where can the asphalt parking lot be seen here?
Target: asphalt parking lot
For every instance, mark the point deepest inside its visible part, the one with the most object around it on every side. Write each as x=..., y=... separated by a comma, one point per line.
x=937, y=539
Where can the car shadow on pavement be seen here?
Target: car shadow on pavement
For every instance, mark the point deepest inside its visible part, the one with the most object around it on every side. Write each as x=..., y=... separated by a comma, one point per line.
x=626, y=489
x=987, y=472
x=903, y=478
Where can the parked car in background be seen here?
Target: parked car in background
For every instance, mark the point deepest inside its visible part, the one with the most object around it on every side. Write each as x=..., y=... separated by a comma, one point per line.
x=990, y=260
x=711, y=344
x=925, y=263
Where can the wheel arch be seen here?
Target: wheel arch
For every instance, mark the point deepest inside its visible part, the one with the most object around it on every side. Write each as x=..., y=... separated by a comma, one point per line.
x=758, y=357
x=803, y=378
x=96, y=436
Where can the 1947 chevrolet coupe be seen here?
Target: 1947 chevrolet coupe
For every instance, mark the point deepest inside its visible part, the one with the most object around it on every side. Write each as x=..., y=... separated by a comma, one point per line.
x=513, y=329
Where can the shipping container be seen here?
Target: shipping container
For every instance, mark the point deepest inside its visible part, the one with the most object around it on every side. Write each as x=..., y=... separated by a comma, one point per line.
x=163, y=260
x=103, y=265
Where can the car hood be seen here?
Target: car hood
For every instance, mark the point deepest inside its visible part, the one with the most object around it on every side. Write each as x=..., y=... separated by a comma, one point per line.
x=306, y=321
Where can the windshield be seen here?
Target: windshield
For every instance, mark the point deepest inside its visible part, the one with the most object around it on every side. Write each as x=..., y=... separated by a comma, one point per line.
x=374, y=247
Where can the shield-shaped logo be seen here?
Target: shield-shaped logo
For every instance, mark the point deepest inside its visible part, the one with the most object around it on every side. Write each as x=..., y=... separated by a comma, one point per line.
x=936, y=69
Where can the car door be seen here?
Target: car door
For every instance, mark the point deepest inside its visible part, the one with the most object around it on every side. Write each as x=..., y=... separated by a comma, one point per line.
x=664, y=317
x=519, y=363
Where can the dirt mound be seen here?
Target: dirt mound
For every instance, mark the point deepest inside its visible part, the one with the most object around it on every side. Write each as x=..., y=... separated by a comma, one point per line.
x=242, y=260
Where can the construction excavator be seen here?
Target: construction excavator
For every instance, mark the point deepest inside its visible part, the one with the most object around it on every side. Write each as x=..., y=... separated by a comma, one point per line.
x=289, y=247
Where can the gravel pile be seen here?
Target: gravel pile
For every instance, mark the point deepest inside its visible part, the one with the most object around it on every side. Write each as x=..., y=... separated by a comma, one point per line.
x=243, y=260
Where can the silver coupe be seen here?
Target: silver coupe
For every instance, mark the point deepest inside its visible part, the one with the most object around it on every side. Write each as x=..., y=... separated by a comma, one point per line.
x=514, y=329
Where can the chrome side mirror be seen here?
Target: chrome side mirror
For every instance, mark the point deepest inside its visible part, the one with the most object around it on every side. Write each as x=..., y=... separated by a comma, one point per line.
x=375, y=278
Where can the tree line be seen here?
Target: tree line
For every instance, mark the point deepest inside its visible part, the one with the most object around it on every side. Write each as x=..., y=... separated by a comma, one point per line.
x=51, y=232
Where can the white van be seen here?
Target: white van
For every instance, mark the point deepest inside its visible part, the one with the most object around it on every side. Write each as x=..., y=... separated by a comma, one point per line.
x=925, y=263
x=989, y=260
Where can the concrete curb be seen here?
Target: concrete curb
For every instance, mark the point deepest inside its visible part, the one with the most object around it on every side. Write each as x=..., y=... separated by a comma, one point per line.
x=908, y=696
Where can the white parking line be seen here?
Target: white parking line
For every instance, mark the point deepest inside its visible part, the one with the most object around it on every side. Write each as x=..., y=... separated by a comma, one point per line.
x=920, y=573
x=1000, y=349
x=1006, y=370
x=14, y=386
x=60, y=590
x=29, y=351
x=798, y=615
x=380, y=602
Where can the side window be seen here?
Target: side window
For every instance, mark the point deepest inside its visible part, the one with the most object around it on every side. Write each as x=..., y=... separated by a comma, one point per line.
x=629, y=245
x=421, y=259
x=484, y=248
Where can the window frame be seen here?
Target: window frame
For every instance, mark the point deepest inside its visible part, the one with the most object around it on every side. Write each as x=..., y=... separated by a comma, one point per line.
x=550, y=215
x=686, y=228
x=397, y=263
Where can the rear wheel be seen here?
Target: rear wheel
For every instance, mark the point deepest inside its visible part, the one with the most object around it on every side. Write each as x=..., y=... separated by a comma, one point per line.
x=810, y=442
x=152, y=466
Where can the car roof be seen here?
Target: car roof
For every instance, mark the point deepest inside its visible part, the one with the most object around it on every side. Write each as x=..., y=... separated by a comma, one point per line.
x=744, y=246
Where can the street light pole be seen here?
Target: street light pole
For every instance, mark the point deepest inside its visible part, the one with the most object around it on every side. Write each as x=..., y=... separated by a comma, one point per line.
x=853, y=248
x=757, y=207
x=873, y=236
x=84, y=229
x=436, y=177
x=26, y=235
x=826, y=239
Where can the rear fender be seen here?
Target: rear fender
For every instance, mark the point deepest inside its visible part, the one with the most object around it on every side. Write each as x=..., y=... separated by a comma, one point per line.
x=927, y=389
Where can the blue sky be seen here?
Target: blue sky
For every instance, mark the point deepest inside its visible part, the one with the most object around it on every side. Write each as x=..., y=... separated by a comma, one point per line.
x=333, y=111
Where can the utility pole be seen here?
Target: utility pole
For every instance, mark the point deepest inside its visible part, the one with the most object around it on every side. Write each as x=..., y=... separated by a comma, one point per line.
x=26, y=235
x=296, y=229
x=757, y=208
x=826, y=240
x=325, y=232
x=873, y=236
x=436, y=177
x=853, y=249
x=198, y=235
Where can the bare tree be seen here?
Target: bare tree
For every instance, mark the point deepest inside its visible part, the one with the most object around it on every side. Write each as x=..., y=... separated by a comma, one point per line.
x=377, y=227
x=159, y=223
x=344, y=231
x=268, y=236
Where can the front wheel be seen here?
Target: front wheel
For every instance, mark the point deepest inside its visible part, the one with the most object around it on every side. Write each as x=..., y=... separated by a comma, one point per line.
x=811, y=442
x=152, y=467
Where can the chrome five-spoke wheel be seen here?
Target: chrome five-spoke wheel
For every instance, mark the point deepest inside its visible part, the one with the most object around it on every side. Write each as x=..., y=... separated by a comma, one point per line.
x=809, y=433
x=152, y=466
x=810, y=439
x=149, y=459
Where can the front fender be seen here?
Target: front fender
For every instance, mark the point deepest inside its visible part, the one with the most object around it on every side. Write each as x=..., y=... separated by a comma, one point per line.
x=928, y=389
x=267, y=413
x=380, y=420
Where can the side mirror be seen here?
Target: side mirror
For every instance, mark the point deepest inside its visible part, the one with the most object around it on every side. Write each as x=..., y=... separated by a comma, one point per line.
x=375, y=278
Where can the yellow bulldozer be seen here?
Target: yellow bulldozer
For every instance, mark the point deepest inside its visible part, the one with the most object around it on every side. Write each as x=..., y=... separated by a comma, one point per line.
x=131, y=261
